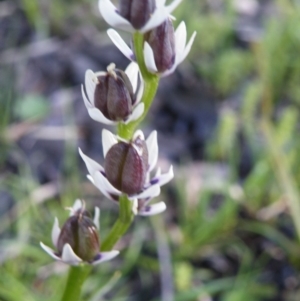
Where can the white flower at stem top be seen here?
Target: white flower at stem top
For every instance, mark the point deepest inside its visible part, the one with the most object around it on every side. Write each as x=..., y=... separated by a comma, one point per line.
x=78, y=241
x=182, y=49
x=114, y=96
x=136, y=15
x=127, y=169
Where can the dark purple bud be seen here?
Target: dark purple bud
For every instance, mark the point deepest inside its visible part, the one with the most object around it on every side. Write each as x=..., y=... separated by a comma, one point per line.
x=162, y=41
x=81, y=233
x=126, y=166
x=137, y=12
x=114, y=95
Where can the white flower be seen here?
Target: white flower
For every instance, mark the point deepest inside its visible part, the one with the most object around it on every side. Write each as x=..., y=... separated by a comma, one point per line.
x=91, y=82
x=67, y=254
x=181, y=49
x=152, y=185
x=112, y=15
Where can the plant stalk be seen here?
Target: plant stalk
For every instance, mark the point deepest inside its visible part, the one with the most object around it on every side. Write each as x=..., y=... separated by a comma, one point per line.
x=77, y=275
x=151, y=82
x=121, y=225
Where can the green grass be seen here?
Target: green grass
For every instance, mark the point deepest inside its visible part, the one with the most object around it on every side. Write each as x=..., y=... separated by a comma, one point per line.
x=224, y=226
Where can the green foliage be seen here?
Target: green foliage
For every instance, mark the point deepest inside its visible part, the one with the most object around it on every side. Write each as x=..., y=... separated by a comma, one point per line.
x=277, y=55
x=224, y=141
x=230, y=69
x=206, y=225
x=264, y=80
x=31, y=107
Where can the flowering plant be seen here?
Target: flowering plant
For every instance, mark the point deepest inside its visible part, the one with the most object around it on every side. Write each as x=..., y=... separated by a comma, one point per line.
x=122, y=98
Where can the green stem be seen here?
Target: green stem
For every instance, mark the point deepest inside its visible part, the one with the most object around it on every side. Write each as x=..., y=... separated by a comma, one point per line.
x=121, y=225
x=76, y=278
x=281, y=170
x=151, y=82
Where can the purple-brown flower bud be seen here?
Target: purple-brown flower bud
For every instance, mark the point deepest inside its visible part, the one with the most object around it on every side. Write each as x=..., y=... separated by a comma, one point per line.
x=80, y=232
x=137, y=12
x=162, y=41
x=126, y=165
x=114, y=95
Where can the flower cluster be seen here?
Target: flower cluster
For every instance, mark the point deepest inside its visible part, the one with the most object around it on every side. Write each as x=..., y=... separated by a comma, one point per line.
x=122, y=98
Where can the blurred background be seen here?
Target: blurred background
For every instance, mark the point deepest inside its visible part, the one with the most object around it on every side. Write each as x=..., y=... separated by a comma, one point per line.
x=227, y=119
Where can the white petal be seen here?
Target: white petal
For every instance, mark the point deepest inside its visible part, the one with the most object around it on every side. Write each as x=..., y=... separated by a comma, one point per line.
x=152, y=147
x=68, y=256
x=132, y=72
x=104, y=256
x=135, y=204
x=149, y=58
x=152, y=209
x=159, y=16
x=87, y=103
x=97, y=218
x=136, y=113
x=91, y=165
x=187, y=48
x=111, y=16
x=108, y=140
x=55, y=232
x=90, y=85
x=103, y=184
x=147, y=180
x=95, y=113
x=120, y=44
x=138, y=133
x=158, y=172
x=49, y=251
x=165, y=178
x=180, y=38
x=90, y=178
x=150, y=192
x=170, y=71
x=105, y=192
x=140, y=91
x=99, y=117
x=160, y=2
